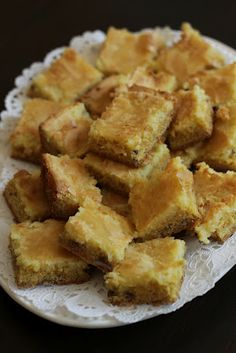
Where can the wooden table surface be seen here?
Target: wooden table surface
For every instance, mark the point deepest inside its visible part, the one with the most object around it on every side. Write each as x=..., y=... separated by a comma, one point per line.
x=28, y=30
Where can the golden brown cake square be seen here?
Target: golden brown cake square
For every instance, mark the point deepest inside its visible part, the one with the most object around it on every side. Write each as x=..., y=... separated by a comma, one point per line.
x=164, y=204
x=219, y=84
x=216, y=199
x=116, y=201
x=100, y=96
x=40, y=259
x=146, y=77
x=130, y=127
x=66, y=79
x=67, y=131
x=25, y=140
x=98, y=235
x=123, y=51
x=122, y=177
x=67, y=184
x=193, y=120
x=151, y=273
x=26, y=197
x=219, y=151
x=189, y=55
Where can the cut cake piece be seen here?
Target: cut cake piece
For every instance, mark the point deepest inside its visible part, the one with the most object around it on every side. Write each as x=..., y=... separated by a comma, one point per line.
x=98, y=235
x=123, y=51
x=130, y=127
x=67, y=184
x=165, y=204
x=26, y=197
x=151, y=273
x=40, y=259
x=66, y=79
x=193, y=120
x=67, y=131
x=25, y=139
x=216, y=199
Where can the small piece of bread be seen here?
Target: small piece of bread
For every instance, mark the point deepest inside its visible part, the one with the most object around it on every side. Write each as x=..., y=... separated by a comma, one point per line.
x=193, y=120
x=121, y=177
x=25, y=139
x=189, y=55
x=130, y=127
x=67, y=131
x=220, y=150
x=40, y=259
x=219, y=84
x=216, y=199
x=66, y=79
x=115, y=201
x=26, y=198
x=67, y=184
x=151, y=273
x=165, y=204
x=123, y=51
x=98, y=235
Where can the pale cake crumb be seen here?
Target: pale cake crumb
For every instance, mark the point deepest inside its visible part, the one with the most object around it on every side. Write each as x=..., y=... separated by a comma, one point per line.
x=40, y=259
x=151, y=273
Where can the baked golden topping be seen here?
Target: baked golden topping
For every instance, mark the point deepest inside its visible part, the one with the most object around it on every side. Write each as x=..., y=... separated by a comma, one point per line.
x=66, y=79
x=67, y=184
x=98, y=235
x=216, y=199
x=165, y=204
x=26, y=198
x=116, y=57
x=39, y=257
x=25, y=140
x=131, y=125
x=189, y=55
x=219, y=84
x=100, y=96
x=67, y=131
x=151, y=272
x=193, y=120
x=219, y=151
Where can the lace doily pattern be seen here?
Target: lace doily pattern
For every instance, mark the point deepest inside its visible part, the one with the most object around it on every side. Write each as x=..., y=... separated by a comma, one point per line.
x=86, y=305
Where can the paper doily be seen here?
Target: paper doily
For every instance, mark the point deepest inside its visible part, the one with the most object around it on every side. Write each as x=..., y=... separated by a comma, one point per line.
x=86, y=305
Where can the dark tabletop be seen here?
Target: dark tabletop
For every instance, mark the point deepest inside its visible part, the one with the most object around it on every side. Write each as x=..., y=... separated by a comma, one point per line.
x=28, y=30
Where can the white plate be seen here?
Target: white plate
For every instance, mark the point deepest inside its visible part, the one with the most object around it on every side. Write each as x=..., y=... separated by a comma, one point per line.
x=86, y=305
